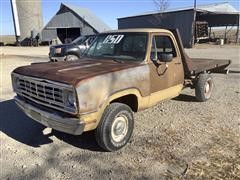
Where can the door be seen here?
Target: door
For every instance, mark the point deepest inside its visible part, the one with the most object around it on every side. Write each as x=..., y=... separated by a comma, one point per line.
x=67, y=35
x=166, y=77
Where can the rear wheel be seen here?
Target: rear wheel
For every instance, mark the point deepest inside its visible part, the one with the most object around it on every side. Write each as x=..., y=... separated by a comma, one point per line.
x=115, y=128
x=71, y=57
x=204, y=87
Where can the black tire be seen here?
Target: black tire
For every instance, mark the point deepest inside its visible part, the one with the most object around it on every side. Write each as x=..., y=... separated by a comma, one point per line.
x=204, y=87
x=71, y=57
x=105, y=132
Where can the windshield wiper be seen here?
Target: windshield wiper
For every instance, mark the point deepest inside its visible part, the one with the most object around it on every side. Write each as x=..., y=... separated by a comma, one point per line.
x=112, y=57
x=117, y=60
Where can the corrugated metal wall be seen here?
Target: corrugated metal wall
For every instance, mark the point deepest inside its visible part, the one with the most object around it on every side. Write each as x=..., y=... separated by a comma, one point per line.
x=219, y=19
x=183, y=20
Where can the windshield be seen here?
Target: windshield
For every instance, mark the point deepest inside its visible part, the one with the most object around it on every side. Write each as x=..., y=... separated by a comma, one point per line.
x=123, y=46
x=80, y=40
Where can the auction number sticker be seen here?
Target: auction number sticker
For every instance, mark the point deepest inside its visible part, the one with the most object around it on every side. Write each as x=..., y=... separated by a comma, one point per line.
x=113, y=39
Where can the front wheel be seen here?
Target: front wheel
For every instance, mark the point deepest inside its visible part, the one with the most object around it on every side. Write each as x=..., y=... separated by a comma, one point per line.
x=204, y=87
x=115, y=128
x=71, y=57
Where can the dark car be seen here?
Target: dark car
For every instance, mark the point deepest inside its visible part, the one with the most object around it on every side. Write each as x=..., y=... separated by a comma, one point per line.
x=71, y=51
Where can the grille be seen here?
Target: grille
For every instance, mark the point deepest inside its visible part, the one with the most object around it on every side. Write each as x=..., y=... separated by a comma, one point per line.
x=44, y=93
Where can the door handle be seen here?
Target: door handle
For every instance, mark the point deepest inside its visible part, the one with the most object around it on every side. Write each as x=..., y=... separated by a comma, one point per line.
x=178, y=63
x=163, y=72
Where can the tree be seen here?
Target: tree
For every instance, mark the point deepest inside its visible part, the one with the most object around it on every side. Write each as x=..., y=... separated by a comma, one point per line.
x=161, y=5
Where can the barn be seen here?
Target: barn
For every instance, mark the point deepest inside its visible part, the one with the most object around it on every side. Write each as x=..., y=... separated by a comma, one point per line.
x=71, y=22
x=193, y=24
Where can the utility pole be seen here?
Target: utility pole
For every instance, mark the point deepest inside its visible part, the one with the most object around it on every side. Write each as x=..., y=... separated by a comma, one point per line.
x=15, y=21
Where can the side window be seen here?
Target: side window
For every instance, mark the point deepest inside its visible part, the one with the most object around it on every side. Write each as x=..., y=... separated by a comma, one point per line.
x=162, y=44
x=90, y=40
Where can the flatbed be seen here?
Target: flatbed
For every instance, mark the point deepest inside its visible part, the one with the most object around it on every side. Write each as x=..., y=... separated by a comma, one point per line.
x=195, y=66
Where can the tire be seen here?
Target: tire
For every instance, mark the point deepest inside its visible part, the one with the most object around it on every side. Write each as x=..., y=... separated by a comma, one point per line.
x=115, y=127
x=204, y=87
x=71, y=57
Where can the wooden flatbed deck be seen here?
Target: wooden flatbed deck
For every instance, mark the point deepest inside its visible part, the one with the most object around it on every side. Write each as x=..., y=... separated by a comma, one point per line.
x=197, y=65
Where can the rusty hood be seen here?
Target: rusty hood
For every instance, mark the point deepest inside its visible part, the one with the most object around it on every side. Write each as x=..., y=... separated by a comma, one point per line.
x=72, y=72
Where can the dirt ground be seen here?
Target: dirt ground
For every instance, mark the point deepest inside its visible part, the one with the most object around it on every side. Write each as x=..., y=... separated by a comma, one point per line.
x=177, y=139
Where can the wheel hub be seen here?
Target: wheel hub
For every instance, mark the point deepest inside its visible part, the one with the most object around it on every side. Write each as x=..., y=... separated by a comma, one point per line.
x=119, y=128
x=207, y=87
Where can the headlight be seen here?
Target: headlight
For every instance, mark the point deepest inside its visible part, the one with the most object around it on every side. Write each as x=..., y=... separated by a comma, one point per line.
x=70, y=99
x=58, y=50
x=15, y=83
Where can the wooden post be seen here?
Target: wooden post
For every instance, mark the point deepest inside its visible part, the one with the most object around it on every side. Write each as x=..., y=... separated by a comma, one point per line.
x=225, y=35
x=194, y=23
x=210, y=32
x=237, y=34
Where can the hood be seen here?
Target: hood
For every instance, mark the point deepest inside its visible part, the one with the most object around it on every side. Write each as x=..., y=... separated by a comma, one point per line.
x=63, y=46
x=72, y=72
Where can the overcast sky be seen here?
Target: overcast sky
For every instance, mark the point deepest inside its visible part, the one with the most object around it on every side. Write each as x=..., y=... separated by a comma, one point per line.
x=107, y=10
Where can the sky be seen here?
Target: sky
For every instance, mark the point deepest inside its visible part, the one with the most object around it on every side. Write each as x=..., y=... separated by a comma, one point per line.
x=107, y=10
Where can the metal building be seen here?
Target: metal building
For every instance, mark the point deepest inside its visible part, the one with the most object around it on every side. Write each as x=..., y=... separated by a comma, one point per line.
x=28, y=20
x=71, y=22
x=187, y=20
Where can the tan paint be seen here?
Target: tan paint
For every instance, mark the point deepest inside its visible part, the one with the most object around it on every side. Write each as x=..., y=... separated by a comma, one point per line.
x=149, y=30
x=93, y=119
x=165, y=75
x=165, y=94
x=93, y=92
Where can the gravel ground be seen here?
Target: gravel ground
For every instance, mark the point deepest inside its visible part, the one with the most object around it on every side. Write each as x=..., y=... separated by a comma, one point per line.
x=180, y=138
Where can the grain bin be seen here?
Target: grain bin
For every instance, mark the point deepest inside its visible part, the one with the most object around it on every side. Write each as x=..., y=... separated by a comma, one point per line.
x=30, y=20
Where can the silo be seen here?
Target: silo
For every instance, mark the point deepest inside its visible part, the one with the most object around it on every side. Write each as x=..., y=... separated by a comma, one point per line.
x=30, y=17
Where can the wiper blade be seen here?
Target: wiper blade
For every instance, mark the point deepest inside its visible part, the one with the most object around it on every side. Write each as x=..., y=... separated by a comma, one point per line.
x=112, y=58
x=118, y=60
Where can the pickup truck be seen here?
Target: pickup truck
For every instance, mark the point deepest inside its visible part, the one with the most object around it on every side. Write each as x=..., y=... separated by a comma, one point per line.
x=71, y=51
x=122, y=72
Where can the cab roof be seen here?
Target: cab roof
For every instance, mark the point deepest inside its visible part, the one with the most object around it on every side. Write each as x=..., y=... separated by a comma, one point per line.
x=147, y=30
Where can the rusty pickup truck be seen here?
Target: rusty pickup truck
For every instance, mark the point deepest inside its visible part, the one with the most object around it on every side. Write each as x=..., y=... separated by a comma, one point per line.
x=122, y=72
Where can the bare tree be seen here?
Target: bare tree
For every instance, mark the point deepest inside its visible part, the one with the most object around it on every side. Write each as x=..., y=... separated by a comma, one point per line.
x=161, y=5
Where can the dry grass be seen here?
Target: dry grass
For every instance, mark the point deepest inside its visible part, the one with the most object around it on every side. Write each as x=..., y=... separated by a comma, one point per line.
x=223, y=160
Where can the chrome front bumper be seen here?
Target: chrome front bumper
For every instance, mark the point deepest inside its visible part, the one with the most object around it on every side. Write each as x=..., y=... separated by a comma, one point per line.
x=68, y=125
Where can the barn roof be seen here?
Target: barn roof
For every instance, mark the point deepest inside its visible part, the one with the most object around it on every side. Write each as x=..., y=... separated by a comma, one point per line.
x=218, y=8
x=224, y=7
x=88, y=17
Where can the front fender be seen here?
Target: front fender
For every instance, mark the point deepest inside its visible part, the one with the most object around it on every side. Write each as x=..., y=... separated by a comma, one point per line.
x=92, y=119
x=94, y=94
x=73, y=51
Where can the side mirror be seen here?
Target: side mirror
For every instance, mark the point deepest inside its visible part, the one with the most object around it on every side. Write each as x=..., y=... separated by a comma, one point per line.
x=165, y=57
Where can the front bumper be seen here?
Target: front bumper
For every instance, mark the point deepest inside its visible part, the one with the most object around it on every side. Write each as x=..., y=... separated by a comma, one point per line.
x=56, y=59
x=65, y=124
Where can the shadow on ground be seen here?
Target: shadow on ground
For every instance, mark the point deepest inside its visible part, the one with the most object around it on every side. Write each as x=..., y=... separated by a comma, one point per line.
x=15, y=124
x=186, y=98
